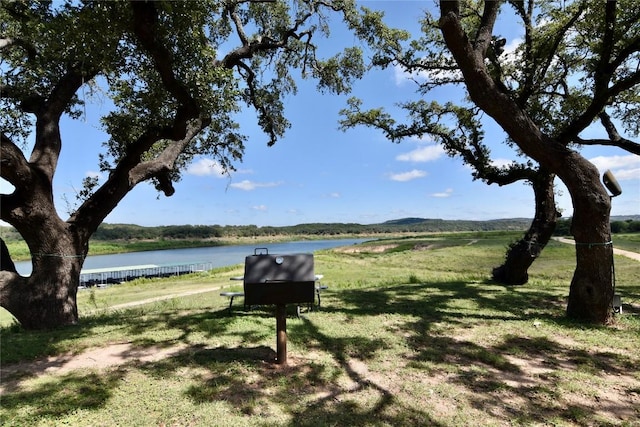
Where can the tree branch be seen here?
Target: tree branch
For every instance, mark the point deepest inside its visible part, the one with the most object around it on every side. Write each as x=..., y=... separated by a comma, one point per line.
x=6, y=263
x=603, y=93
x=186, y=125
x=145, y=17
x=8, y=43
x=162, y=165
x=14, y=167
x=530, y=84
x=614, y=140
x=29, y=103
x=485, y=30
x=604, y=70
x=263, y=44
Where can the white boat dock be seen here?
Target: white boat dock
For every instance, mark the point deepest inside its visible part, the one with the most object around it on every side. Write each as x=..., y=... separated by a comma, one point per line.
x=112, y=275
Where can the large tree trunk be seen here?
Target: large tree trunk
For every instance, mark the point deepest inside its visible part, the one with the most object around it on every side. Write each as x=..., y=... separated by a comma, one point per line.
x=47, y=298
x=591, y=292
x=524, y=252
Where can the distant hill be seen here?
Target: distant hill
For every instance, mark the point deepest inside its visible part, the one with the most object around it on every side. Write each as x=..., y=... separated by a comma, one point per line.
x=404, y=221
x=132, y=232
x=442, y=225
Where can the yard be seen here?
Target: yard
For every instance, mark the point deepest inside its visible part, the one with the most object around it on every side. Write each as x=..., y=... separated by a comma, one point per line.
x=410, y=332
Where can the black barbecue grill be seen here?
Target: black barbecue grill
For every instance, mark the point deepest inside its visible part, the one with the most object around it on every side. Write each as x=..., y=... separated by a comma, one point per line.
x=278, y=279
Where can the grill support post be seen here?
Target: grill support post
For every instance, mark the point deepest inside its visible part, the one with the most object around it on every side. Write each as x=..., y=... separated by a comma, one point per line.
x=281, y=334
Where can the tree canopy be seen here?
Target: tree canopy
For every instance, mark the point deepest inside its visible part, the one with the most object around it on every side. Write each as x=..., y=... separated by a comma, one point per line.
x=576, y=64
x=176, y=73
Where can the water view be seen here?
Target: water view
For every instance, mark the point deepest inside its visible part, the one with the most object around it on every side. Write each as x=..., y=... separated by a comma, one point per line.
x=215, y=256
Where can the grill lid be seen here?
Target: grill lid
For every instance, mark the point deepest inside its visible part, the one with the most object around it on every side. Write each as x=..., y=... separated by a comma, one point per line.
x=265, y=268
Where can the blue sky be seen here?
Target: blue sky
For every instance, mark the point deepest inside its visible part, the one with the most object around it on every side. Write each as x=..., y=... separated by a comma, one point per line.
x=318, y=173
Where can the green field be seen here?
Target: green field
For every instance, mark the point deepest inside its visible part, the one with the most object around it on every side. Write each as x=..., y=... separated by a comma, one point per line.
x=410, y=332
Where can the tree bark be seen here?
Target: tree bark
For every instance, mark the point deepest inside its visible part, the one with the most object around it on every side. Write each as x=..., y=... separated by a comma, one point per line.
x=524, y=252
x=591, y=291
x=47, y=298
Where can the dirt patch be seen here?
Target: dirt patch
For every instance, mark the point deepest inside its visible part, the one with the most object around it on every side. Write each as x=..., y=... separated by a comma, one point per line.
x=95, y=358
x=164, y=298
x=424, y=247
x=628, y=254
x=369, y=249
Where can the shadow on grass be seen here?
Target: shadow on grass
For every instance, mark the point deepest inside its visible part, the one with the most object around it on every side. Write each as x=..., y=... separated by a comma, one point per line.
x=248, y=380
x=531, y=388
x=58, y=396
x=492, y=376
x=515, y=378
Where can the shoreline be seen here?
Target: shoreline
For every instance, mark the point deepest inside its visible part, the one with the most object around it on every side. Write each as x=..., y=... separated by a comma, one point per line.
x=20, y=253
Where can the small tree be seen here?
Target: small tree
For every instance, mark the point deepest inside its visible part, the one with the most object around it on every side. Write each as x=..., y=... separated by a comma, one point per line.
x=465, y=141
x=577, y=63
x=176, y=85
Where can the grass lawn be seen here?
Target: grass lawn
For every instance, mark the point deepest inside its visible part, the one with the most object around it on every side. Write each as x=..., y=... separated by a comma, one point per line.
x=411, y=332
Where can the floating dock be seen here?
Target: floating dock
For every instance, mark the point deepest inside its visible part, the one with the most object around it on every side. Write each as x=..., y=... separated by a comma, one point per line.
x=114, y=275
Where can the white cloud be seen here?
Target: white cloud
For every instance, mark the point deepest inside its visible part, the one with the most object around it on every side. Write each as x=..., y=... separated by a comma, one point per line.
x=443, y=195
x=335, y=195
x=623, y=167
x=261, y=208
x=401, y=76
x=407, y=176
x=247, y=185
x=512, y=46
x=627, y=174
x=422, y=154
x=207, y=167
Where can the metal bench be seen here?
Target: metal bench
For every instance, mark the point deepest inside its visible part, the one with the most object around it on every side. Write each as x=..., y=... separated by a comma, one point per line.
x=319, y=287
x=231, y=296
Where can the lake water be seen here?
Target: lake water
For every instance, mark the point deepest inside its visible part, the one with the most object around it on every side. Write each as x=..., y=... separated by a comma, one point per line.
x=216, y=256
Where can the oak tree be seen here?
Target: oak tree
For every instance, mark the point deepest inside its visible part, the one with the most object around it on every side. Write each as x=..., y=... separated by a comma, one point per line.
x=177, y=73
x=576, y=66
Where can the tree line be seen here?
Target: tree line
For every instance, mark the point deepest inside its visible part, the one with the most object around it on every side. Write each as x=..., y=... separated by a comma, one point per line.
x=131, y=232
x=563, y=227
x=125, y=232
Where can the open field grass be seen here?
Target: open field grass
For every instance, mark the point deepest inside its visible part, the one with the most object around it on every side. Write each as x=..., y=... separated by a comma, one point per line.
x=411, y=332
x=627, y=241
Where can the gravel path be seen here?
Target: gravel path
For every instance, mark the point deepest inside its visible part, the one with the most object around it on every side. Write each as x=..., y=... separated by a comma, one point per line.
x=164, y=297
x=629, y=254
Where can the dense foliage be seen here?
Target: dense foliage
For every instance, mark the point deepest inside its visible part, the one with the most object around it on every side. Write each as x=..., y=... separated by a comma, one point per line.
x=617, y=226
x=128, y=232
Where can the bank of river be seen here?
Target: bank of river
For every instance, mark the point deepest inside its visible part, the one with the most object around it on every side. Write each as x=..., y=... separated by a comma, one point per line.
x=215, y=256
